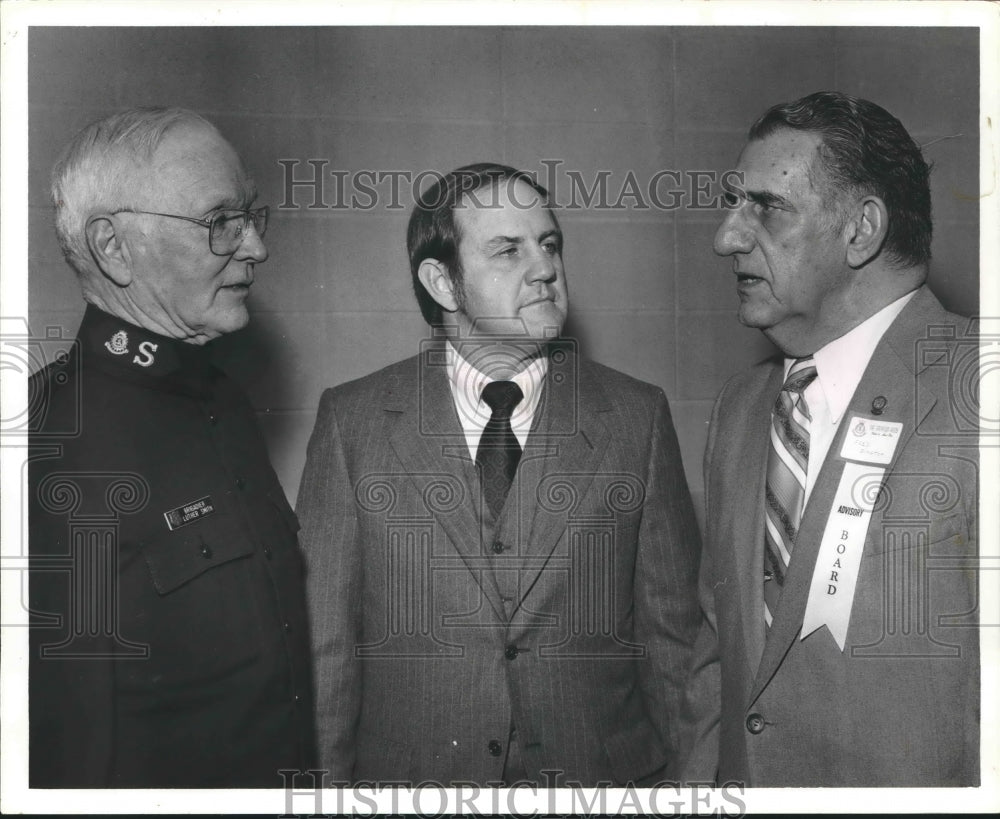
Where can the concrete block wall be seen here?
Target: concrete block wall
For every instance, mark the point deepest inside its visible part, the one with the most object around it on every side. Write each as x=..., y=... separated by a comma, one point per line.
x=647, y=294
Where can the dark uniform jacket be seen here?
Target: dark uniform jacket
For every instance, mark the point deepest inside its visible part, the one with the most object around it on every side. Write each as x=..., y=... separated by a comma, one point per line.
x=169, y=645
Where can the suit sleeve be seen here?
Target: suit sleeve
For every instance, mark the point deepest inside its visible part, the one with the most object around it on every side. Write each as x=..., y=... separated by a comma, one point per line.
x=327, y=513
x=703, y=698
x=665, y=579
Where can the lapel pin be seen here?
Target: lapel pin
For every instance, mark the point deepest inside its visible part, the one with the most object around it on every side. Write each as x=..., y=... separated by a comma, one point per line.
x=879, y=404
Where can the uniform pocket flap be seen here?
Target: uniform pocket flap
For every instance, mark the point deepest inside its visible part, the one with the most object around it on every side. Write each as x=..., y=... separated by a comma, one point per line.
x=176, y=557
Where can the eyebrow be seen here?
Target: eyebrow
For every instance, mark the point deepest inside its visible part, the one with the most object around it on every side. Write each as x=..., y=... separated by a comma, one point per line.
x=240, y=201
x=767, y=198
x=503, y=240
x=231, y=203
x=496, y=241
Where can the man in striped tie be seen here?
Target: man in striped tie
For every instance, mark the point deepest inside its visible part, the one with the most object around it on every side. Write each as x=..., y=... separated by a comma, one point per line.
x=839, y=580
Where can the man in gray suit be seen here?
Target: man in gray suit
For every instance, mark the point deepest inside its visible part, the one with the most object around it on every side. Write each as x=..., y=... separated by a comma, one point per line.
x=501, y=548
x=839, y=579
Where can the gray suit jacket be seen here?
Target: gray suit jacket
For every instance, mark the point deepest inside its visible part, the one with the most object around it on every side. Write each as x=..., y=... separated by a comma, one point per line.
x=900, y=705
x=435, y=626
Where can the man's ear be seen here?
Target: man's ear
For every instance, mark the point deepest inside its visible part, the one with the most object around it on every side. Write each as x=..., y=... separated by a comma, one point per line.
x=434, y=277
x=866, y=231
x=108, y=250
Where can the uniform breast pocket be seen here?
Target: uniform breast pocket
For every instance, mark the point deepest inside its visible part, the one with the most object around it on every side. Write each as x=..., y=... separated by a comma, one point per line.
x=193, y=601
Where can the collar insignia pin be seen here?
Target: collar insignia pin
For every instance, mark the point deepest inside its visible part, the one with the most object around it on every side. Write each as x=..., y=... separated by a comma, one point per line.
x=879, y=404
x=118, y=344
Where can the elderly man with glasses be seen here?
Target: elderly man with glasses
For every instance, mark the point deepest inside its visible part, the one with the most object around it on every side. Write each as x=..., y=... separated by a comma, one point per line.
x=169, y=640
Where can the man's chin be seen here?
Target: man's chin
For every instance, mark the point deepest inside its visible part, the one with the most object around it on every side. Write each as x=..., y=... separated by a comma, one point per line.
x=544, y=321
x=229, y=322
x=754, y=315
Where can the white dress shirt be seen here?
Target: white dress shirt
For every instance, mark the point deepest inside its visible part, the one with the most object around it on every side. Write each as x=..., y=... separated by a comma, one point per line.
x=467, y=384
x=839, y=367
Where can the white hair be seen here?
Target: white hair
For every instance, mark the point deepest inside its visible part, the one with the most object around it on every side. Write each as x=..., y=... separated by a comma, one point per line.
x=102, y=169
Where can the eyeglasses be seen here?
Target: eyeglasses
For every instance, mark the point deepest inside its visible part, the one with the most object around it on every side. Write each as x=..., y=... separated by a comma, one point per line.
x=226, y=228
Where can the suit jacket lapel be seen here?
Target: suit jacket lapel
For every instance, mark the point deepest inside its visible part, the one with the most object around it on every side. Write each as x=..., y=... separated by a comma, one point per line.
x=749, y=463
x=429, y=443
x=564, y=451
x=891, y=374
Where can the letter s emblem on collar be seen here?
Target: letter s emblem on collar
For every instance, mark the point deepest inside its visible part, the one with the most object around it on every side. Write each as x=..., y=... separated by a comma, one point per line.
x=146, y=350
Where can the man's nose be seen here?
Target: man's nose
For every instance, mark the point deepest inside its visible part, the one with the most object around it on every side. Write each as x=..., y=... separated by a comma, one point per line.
x=252, y=248
x=733, y=235
x=544, y=266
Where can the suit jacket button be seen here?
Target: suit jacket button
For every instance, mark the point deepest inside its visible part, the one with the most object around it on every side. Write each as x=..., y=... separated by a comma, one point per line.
x=497, y=547
x=755, y=723
x=510, y=652
x=495, y=748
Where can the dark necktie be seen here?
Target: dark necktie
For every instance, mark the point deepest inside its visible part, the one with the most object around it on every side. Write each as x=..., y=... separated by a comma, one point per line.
x=787, y=462
x=499, y=451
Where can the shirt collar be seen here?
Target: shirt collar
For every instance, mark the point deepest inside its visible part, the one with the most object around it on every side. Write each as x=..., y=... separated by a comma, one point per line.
x=467, y=383
x=122, y=346
x=841, y=363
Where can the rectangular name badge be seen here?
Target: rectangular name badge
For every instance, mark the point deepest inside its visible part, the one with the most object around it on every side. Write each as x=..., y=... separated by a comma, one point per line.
x=189, y=512
x=870, y=441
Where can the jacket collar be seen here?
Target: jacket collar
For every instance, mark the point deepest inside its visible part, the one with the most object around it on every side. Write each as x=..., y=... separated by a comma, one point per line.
x=123, y=349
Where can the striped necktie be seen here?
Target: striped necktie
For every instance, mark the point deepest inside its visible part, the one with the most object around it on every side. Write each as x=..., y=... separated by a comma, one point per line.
x=787, y=462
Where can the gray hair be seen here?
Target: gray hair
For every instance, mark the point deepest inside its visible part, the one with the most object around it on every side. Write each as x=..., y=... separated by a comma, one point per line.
x=102, y=170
